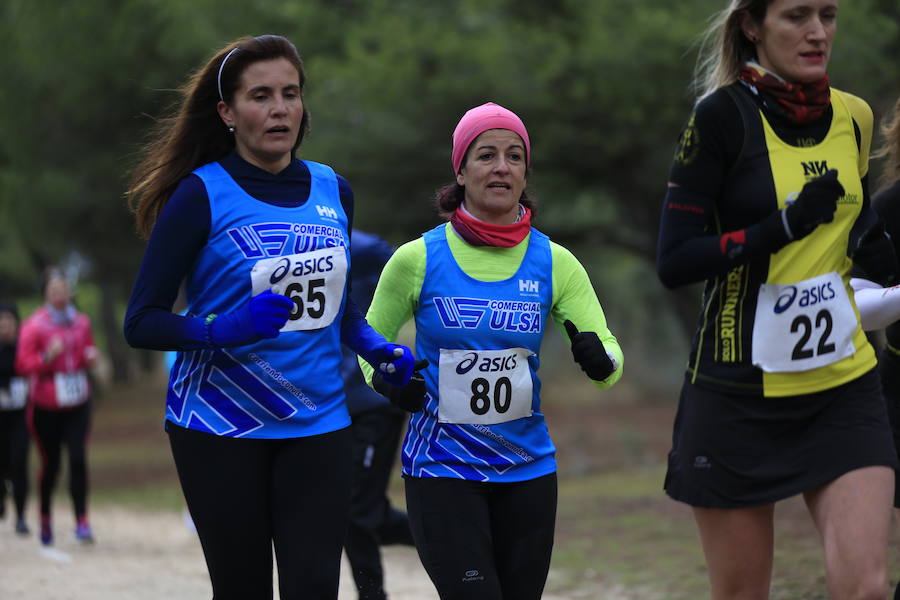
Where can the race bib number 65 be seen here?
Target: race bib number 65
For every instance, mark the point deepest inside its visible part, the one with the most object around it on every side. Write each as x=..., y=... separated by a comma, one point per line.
x=804, y=325
x=313, y=280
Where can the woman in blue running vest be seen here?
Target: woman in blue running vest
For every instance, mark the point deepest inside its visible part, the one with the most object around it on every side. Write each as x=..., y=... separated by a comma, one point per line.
x=767, y=201
x=255, y=407
x=478, y=462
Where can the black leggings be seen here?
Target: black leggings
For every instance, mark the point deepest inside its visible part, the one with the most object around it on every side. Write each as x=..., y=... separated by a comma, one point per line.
x=14, y=458
x=373, y=521
x=246, y=494
x=484, y=541
x=53, y=429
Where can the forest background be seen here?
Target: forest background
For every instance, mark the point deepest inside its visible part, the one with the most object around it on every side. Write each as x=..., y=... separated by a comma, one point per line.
x=602, y=85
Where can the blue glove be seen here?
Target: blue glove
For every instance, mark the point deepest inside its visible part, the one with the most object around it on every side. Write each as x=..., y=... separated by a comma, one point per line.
x=394, y=362
x=261, y=318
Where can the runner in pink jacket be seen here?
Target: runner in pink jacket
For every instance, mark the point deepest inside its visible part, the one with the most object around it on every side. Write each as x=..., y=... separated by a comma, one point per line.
x=56, y=349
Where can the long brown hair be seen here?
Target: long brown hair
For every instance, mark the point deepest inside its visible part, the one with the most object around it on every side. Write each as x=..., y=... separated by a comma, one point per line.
x=196, y=135
x=890, y=147
x=724, y=47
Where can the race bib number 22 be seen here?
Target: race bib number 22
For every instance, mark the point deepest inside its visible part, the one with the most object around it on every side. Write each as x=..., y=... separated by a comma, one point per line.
x=804, y=325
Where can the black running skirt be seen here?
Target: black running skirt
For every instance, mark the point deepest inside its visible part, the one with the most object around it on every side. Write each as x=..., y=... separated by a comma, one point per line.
x=733, y=451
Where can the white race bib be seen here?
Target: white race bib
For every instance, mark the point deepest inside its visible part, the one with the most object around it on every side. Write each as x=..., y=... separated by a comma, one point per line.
x=803, y=326
x=14, y=398
x=71, y=388
x=313, y=280
x=484, y=386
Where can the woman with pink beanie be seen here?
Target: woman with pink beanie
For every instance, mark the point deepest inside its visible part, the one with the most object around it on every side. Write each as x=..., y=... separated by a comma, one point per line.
x=478, y=461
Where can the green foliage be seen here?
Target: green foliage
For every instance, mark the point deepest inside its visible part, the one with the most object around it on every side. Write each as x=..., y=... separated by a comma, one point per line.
x=601, y=85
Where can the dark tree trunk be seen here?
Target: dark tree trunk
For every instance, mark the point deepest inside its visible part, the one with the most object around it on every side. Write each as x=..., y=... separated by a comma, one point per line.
x=112, y=328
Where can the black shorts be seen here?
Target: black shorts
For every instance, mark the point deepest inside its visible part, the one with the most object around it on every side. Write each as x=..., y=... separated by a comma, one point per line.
x=733, y=451
x=889, y=369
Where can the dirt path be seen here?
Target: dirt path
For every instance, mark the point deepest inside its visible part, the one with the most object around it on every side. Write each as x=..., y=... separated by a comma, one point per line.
x=146, y=555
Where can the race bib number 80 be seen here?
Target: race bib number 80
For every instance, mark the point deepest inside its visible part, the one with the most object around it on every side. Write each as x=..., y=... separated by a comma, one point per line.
x=803, y=326
x=484, y=386
x=313, y=280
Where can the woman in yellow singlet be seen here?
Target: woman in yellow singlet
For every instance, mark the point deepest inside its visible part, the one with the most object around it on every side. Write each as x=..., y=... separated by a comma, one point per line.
x=768, y=203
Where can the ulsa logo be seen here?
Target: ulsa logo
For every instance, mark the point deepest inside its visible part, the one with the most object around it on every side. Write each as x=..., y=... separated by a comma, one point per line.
x=326, y=211
x=814, y=168
x=528, y=286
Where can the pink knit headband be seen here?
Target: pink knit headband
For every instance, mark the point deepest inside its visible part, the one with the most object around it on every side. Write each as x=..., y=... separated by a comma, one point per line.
x=478, y=120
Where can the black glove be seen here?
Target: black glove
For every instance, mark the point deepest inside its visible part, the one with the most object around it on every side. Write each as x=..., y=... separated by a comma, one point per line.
x=409, y=397
x=589, y=353
x=814, y=205
x=876, y=256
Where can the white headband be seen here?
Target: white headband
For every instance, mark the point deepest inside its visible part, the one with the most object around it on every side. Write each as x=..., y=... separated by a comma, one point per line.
x=222, y=66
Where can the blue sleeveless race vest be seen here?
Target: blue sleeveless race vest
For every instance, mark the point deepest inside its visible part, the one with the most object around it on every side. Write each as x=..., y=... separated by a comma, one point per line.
x=466, y=328
x=279, y=388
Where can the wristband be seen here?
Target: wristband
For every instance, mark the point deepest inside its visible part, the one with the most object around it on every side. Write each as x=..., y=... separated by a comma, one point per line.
x=787, y=226
x=207, y=328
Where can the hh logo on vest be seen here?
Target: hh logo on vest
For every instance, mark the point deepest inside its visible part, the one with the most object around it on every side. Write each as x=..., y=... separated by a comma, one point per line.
x=326, y=211
x=528, y=286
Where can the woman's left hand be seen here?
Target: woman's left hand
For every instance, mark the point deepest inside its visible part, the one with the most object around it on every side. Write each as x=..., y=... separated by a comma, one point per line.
x=589, y=353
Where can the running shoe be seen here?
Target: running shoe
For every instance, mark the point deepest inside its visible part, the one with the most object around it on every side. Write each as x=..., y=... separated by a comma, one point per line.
x=83, y=533
x=22, y=527
x=46, y=533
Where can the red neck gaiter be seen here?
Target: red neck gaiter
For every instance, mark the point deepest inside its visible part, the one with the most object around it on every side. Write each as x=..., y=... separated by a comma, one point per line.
x=479, y=233
x=798, y=102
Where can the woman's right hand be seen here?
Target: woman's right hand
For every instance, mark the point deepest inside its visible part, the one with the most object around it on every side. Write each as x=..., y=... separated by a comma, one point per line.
x=409, y=397
x=54, y=349
x=260, y=318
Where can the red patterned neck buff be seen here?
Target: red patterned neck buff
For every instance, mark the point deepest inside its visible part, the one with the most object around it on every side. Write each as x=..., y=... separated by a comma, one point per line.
x=797, y=102
x=479, y=233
